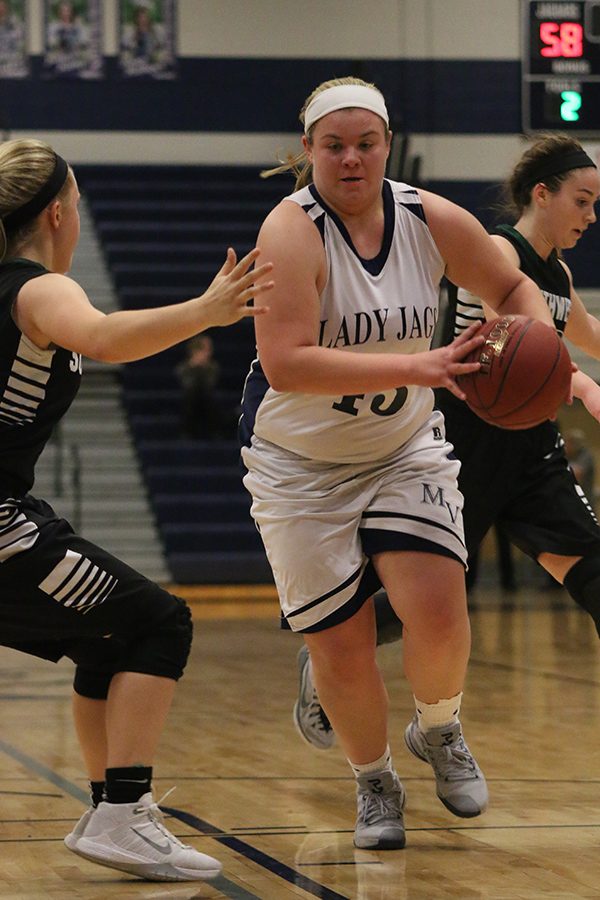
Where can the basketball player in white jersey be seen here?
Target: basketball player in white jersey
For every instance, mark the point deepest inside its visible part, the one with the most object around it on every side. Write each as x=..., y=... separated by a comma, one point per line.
x=354, y=486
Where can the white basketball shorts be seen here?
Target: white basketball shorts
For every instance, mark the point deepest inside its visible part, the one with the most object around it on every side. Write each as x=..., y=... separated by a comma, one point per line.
x=320, y=522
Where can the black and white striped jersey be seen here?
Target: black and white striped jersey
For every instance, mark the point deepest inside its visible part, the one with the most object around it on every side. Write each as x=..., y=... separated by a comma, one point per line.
x=36, y=386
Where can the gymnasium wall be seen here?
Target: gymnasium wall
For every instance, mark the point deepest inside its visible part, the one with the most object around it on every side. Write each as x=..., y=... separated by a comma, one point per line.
x=450, y=70
x=245, y=67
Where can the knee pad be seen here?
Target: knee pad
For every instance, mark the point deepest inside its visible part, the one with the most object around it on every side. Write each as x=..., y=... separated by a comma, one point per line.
x=583, y=584
x=95, y=661
x=163, y=648
x=389, y=626
x=91, y=684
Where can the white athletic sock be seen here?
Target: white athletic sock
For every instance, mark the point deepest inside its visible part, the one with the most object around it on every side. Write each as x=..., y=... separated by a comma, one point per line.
x=383, y=764
x=433, y=715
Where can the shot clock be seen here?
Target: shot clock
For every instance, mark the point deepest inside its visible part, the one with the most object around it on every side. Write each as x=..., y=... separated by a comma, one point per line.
x=561, y=66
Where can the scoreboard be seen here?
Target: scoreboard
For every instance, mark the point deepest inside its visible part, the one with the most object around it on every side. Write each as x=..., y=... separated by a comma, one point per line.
x=560, y=66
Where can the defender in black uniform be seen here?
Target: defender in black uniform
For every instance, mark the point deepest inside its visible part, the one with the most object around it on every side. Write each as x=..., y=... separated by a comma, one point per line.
x=521, y=479
x=59, y=594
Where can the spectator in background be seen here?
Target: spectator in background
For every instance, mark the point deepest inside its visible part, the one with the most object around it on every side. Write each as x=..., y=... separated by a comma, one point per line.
x=204, y=414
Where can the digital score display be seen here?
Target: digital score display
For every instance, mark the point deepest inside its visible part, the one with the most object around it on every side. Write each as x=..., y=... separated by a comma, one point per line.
x=560, y=66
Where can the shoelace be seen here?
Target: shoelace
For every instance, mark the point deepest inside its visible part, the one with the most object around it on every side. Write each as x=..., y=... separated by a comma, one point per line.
x=155, y=817
x=318, y=716
x=444, y=760
x=379, y=807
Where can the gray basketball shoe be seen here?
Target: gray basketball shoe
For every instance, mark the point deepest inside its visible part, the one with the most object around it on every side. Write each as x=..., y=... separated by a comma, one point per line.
x=380, y=823
x=460, y=783
x=309, y=716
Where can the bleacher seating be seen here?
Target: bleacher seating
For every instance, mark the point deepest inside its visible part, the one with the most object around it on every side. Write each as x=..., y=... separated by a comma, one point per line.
x=165, y=231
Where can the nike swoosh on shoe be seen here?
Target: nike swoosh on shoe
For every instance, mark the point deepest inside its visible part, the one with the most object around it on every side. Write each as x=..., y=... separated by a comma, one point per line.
x=162, y=848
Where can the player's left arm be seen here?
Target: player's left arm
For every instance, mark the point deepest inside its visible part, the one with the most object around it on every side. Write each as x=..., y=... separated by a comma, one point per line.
x=475, y=262
x=582, y=329
x=588, y=391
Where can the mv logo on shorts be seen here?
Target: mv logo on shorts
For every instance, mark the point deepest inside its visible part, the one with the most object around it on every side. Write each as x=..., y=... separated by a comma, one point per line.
x=433, y=495
x=77, y=583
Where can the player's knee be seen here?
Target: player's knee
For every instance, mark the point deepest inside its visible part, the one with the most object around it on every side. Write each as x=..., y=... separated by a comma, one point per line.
x=91, y=683
x=182, y=630
x=389, y=626
x=163, y=649
x=583, y=584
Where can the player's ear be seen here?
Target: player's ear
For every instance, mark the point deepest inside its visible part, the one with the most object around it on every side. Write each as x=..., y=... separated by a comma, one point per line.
x=540, y=193
x=388, y=141
x=55, y=213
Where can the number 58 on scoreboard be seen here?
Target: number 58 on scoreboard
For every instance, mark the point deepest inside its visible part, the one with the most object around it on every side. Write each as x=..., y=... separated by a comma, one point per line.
x=560, y=66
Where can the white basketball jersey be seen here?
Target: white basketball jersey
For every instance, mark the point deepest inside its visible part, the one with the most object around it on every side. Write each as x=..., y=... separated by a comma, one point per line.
x=389, y=304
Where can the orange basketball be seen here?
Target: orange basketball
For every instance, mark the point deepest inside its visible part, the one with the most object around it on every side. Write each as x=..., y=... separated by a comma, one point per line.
x=525, y=373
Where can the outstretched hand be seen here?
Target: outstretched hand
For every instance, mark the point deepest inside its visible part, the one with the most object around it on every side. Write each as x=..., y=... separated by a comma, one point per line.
x=227, y=299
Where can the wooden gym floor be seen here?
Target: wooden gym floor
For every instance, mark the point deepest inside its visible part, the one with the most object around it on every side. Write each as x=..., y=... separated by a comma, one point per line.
x=280, y=815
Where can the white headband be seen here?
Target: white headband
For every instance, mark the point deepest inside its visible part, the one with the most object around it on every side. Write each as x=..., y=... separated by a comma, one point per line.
x=345, y=96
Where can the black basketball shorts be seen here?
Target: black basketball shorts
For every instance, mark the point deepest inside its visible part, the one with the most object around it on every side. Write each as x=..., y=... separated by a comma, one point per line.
x=61, y=595
x=521, y=479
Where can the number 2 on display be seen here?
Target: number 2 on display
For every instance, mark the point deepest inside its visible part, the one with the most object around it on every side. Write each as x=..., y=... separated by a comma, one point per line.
x=570, y=106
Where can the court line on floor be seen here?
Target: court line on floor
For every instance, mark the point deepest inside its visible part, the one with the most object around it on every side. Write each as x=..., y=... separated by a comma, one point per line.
x=44, y=772
x=538, y=673
x=262, y=859
x=327, y=778
x=34, y=697
x=227, y=887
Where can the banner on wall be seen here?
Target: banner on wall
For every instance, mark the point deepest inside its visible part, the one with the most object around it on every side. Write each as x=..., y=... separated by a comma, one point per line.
x=13, y=54
x=73, y=39
x=147, y=38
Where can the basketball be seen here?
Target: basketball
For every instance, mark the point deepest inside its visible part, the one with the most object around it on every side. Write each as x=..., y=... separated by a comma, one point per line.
x=525, y=373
